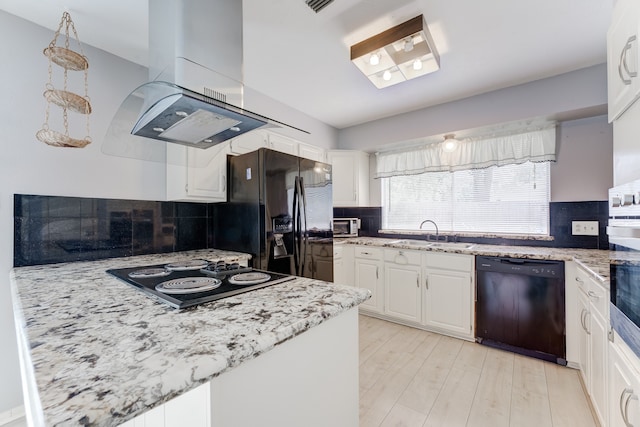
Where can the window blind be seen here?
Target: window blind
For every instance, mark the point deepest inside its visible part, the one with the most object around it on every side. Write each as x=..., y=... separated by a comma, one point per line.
x=510, y=199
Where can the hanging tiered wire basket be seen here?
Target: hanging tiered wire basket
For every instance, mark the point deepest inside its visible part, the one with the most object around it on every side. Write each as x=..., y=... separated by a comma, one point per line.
x=68, y=60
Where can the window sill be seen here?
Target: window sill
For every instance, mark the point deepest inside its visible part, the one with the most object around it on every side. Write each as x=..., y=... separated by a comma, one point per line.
x=424, y=234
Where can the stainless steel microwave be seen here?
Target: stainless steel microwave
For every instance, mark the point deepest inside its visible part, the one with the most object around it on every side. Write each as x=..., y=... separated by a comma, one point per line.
x=346, y=227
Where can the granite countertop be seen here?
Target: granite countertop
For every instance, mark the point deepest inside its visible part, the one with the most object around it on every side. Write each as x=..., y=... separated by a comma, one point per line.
x=594, y=261
x=102, y=352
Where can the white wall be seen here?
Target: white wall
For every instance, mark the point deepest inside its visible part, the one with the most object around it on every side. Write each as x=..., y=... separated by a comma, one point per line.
x=577, y=90
x=28, y=166
x=584, y=167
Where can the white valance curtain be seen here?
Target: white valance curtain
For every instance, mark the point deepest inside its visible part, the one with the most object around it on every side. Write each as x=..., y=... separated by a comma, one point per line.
x=473, y=153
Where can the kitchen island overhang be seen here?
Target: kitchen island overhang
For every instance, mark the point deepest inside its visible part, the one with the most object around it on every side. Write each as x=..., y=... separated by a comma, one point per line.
x=96, y=352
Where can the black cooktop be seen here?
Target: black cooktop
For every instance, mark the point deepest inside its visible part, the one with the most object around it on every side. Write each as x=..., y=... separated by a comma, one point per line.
x=220, y=281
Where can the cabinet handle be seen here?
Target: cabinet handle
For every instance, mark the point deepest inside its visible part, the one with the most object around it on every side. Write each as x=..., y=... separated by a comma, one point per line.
x=624, y=408
x=593, y=295
x=224, y=183
x=583, y=320
x=417, y=282
x=426, y=282
x=377, y=273
x=622, y=63
x=366, y=253
x=579, y=280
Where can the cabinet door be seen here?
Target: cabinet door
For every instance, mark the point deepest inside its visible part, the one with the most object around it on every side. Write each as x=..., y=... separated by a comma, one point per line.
x=312, y=152
x=350, y=177
x=248, y=142
x=624, y=409
x=584, y=313
x=283, y=144
x=447, y=301
x=369, y=276
x=402, y=292
x=598, y=368
x=209, y=179
x=622, y=57
x=338, y=271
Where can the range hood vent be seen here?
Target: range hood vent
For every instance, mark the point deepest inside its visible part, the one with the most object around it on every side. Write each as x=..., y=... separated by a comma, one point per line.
x=318, y=5
x=195, y=96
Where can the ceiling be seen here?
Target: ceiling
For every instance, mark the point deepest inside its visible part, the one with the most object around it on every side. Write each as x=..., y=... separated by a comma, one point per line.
x=301, y=58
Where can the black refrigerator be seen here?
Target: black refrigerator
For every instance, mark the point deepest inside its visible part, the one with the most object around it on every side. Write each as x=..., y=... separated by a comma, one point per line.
x=279, y=209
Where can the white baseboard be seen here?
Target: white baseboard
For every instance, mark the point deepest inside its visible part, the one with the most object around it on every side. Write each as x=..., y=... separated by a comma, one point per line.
x=13, y=417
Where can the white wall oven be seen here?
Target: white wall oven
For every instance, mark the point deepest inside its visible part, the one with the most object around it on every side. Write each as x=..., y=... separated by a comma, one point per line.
x=624, y=236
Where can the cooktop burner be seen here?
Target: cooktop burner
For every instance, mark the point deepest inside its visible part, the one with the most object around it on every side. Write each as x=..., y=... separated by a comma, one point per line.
x=189, y=283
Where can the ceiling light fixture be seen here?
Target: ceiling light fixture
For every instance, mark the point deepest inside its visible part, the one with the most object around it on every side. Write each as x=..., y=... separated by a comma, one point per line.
x=407, y=48
x=386, y=76
x=450, y=143
x=374, y=59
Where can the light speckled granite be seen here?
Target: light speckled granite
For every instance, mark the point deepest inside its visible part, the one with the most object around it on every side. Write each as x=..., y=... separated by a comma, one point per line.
x=595, y=261
x=422, y=234
x=102, y=352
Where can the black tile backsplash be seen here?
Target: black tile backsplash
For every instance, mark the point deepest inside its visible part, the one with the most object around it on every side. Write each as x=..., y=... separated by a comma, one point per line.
x=560, y=216
x=50, y=229
x=370, y=218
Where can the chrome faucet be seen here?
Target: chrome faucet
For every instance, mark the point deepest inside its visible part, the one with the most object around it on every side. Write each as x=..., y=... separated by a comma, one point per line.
x=434, y=224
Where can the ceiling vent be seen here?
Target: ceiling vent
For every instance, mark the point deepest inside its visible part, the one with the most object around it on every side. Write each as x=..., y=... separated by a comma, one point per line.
x=318, y=5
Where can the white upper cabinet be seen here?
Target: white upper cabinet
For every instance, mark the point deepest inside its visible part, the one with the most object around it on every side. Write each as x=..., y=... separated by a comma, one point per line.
x=350, y=177
x=312, y=152
x=260, y=138
x=623, y=52
x=197, y=175
x=249, y=141
x=283, y=144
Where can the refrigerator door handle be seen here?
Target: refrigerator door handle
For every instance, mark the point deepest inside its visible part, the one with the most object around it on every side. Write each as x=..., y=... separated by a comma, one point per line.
x=295, y=209
x=303, y=228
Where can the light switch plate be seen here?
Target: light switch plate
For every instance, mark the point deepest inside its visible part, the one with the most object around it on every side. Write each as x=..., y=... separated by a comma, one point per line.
x=584, y=228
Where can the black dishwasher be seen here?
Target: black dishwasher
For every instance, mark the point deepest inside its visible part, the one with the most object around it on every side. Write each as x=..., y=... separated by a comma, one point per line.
x=520, y=306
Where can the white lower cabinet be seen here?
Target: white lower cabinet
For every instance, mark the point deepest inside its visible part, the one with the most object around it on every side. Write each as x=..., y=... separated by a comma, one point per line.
x=402, y=293
x=624, y=386
x=428, y=290
x=593, y=305
x=343, y=264
x=448, y=297
x=368, y=275
x=447, y=302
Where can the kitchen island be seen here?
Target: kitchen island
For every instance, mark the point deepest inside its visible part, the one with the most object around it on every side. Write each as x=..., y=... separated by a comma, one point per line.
x=94, y=351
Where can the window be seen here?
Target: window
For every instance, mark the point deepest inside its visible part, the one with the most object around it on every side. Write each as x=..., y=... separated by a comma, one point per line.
x=510, y=199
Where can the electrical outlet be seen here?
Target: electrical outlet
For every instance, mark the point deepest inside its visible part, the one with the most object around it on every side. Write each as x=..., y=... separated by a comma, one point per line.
x=584, y=228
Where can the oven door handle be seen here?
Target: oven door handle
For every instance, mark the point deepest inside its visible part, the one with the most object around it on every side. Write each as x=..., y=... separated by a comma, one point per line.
x=623, y=231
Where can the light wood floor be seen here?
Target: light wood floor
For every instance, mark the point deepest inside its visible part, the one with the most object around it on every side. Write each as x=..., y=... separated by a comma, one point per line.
x=410, y=377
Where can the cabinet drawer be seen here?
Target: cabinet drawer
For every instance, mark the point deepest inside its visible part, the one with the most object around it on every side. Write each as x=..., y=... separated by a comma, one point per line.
x=368, y=252
x=402, y=256
x=337, y=251
x=582, y=279
x=449, y=261
x=599, y=297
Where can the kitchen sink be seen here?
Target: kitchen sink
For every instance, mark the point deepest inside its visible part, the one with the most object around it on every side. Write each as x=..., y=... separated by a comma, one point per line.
x=415, y=243
x=435, y=245
x=451, y=245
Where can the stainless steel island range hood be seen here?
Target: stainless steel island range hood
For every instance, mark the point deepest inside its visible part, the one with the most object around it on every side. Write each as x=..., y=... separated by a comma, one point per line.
x=195, y=96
